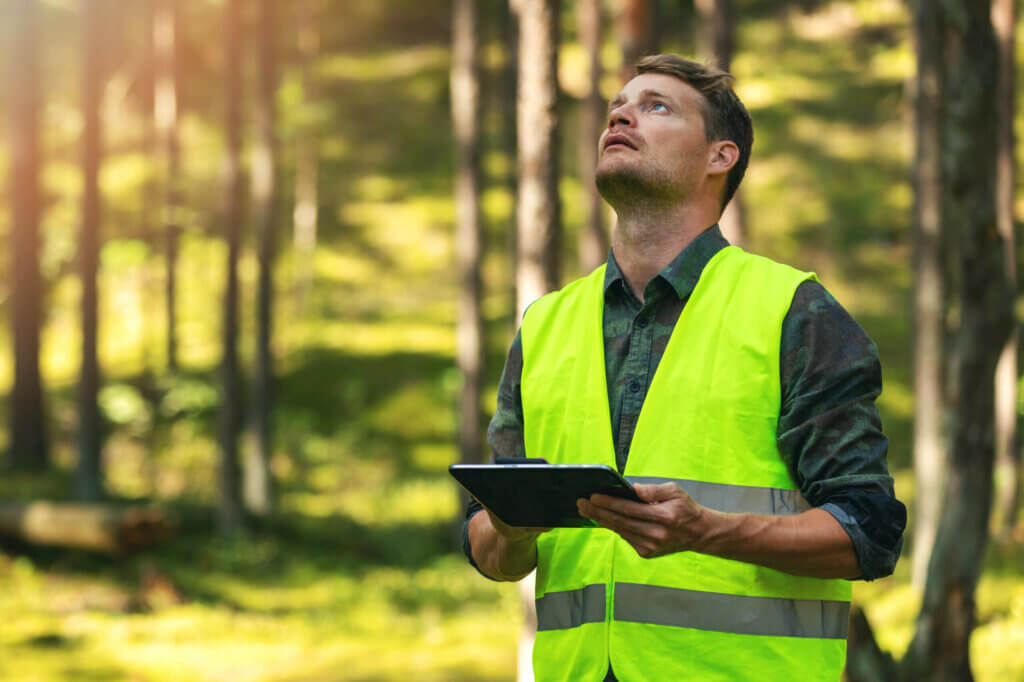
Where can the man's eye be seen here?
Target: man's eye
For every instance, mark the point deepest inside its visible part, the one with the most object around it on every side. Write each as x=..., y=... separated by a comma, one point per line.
x=656, y=106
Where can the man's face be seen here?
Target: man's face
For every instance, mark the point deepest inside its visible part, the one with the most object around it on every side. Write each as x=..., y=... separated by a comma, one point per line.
x=654, y=145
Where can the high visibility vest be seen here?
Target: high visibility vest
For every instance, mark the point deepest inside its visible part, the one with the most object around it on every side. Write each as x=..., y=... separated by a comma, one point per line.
x=708, y=423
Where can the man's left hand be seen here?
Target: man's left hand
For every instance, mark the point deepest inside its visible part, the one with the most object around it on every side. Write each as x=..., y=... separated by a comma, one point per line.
x=670, y=521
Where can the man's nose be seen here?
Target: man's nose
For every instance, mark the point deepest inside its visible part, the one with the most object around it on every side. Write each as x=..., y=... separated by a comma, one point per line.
x=621, y=115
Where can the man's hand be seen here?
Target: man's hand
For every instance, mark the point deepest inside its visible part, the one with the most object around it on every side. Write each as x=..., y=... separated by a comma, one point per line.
x=514, y=534
x=670, y=521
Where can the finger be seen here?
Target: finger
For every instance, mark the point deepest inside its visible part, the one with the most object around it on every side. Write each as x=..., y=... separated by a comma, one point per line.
x=661, y=492
x=614, y=521
x=638, y=510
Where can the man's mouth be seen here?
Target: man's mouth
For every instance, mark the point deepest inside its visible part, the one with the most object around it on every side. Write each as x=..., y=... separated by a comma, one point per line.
x=618, y=140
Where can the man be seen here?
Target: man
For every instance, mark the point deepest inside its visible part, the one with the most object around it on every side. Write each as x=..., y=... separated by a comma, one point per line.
x=734, y=391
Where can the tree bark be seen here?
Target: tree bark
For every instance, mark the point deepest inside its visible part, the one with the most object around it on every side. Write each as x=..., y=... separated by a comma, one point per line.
x=466, y=115
x=508, y=25
x=259, y=483
x=1007, y=444
x=101, y=528
x=166, y=28
x=929, y=285
x=539, y=214
x=593, y=237
x=638, y=32
x=230, y=517
x=715, y=43
x=28, y=445
x=940, y=648
x=90, y=470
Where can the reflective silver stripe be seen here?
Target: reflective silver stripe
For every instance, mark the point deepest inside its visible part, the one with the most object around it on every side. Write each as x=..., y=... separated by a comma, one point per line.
x=563, y=610
x=730, y=612
x=736, y=499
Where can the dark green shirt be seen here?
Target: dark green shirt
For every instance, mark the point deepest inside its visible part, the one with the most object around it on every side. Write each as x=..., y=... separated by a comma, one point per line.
x=829, y=431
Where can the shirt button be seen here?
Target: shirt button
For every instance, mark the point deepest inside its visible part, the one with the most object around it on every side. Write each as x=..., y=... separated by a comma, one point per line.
x=634, y=386
x=641, y=323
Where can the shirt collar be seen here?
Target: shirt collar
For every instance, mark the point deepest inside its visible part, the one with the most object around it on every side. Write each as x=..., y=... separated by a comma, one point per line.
x=685, y=269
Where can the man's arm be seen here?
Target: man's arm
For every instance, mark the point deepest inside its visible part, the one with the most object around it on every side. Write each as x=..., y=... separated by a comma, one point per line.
x=811, y=543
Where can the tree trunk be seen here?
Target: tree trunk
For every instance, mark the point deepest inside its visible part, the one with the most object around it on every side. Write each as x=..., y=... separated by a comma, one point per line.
x=929, y=286
x=593, y=238
x=715, y=44
x=538, y=211
x=940, y=648
x=508, y=24
x=1007, y=446
x=538, y=208
x=306, y=162
x=259, y=482
x=638, y=32
x=465, y=93
x=165, y=118
x=230, y=509
x=100, y=528
x=28, y=445
x=89, y=482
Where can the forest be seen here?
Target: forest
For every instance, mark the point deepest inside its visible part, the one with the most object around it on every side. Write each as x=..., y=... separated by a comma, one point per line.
x=264, y=261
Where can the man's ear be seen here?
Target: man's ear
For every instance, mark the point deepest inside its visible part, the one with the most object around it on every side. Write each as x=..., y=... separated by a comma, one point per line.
x=722, y=156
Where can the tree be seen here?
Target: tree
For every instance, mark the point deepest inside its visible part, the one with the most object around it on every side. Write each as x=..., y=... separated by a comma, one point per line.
x=230, y=507
x=90, y=439
x=1007, y=445
x=929, y=285
x=638, y=32
x=940, y=647
x=593, y=238
x=28, y=445
x=166, y=28
x=538, y=210
x=716, y=43
x=466, y=114
x=259, y=479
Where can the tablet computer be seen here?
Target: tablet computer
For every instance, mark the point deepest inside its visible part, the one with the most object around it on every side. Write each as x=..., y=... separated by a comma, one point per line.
x=539, y=494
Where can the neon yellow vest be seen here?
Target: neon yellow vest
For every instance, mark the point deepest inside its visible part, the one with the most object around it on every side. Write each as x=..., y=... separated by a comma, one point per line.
x=709, y=424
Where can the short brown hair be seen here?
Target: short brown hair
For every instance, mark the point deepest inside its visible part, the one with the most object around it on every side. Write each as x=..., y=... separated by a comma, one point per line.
x=725, y=117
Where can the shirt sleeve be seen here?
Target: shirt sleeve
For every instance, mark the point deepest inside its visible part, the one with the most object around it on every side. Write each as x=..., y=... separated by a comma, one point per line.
x=505, y=433
x=829, y=430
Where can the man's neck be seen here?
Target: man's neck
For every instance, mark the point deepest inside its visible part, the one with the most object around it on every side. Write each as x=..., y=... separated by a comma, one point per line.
x=646, y=240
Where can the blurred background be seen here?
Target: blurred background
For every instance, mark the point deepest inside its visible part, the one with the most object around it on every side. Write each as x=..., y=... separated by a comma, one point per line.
x=261, y=272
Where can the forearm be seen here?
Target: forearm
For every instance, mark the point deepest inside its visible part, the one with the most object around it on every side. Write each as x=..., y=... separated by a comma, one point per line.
x=808, y=544
x=499, y=556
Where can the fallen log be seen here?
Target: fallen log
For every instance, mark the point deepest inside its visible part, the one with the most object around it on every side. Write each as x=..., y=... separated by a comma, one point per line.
x=97, y=527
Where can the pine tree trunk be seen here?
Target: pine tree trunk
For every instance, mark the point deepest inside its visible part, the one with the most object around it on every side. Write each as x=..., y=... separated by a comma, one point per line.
x=539, y=214
x=259, y=484
x=466, y=108
x=28, y=444
x=166, y=28
x=929, y=286
x=593, y=238
x=638, y=32
x=230, y=508
x=715, y=44
x=940, y=648
x=1007, y=444
x=508, y=25
x=89, y=481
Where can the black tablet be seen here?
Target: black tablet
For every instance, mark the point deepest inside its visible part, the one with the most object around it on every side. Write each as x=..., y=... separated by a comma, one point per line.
x=535, y=494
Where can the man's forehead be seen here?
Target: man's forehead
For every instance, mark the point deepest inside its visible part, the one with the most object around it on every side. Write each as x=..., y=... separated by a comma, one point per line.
x=659, y=83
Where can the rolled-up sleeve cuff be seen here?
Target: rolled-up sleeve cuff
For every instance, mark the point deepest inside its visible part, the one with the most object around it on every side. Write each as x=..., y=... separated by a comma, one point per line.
x=874, y=559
